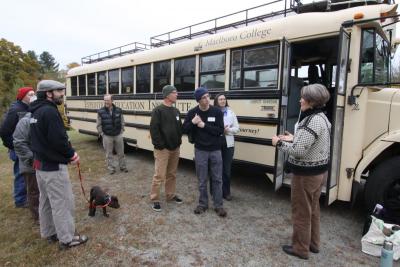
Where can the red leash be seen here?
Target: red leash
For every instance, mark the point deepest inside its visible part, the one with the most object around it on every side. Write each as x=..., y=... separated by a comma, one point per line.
x=91, y=205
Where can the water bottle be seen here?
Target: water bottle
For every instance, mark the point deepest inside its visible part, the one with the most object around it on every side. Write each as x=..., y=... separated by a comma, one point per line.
x=378, y=211
x=387, y=254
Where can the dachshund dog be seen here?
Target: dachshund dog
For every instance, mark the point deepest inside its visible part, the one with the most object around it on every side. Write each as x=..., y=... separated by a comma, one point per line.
x=99, y=198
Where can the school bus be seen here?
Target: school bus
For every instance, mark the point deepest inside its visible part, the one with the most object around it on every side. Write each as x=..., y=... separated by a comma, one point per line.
x=261, y=62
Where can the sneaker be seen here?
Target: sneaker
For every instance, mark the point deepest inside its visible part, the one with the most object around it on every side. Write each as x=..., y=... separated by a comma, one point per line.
x=76, y=241
x=177, y=200
x=221, y=212
x=156, y=206
x=199, y=210
x=52, y=239
x=112, y=172
x=124, y=170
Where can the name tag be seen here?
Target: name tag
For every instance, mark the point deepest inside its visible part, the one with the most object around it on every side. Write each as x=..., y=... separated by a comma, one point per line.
x=177, y=118
x=212, y=119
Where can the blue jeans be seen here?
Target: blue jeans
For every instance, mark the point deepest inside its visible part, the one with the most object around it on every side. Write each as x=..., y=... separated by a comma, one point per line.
x=209, y=163
x=19, y=182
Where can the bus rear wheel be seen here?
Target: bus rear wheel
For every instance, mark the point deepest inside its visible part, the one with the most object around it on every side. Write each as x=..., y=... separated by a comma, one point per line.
x=379, y=180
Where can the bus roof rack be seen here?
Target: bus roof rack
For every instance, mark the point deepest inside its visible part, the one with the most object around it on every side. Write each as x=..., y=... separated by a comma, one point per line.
x=234, y=20
x=115, y=52
x=220, y=24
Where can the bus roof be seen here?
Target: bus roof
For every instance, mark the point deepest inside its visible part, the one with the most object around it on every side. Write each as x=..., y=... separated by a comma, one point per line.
x=306, y=25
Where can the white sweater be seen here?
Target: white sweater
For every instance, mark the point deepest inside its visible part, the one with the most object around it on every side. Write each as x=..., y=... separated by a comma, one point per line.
x=231, y=121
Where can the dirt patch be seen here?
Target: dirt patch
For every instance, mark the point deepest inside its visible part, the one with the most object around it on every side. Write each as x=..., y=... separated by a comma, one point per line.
x=258, y=223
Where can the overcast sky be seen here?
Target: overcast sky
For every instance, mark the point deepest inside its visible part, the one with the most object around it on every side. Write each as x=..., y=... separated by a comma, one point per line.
x=72, y=29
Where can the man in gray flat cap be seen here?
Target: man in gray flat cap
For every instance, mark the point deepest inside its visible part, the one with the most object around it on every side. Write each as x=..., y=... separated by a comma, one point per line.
x=52, y=152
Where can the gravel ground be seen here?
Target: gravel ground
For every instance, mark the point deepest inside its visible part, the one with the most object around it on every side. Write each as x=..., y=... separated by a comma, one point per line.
x=258, y=224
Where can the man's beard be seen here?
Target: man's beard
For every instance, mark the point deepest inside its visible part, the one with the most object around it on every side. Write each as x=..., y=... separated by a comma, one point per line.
x=58, y=100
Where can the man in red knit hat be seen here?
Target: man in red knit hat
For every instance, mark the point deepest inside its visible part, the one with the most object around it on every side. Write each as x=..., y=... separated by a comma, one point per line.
x=16, y=111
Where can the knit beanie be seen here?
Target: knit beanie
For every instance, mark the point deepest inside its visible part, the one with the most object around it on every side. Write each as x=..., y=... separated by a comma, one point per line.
x=167, y=90
x=199, y=93
x=23, y=91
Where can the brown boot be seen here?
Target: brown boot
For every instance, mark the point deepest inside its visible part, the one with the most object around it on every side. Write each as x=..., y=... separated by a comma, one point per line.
x=221, y=212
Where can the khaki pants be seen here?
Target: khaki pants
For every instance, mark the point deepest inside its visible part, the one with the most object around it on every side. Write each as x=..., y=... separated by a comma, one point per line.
x=306, y=191
x=165, y=166
x=111, y=143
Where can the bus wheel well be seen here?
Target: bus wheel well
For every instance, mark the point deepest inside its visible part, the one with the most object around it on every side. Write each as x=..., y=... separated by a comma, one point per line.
x=388, y=153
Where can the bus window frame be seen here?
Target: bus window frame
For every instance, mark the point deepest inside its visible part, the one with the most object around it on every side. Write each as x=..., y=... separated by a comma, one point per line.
x=158, y=77
x=109, y=81
x=262, y=67
x=223, y=71
x=83, y=76
x=194, y=73
x=375, y=32
x=148, y=90
x=105, y=82
x=76, y=85
x=87, y=82
x=133, y=80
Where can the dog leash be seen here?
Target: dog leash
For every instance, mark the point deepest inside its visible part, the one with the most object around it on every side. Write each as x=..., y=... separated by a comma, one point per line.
x=84, y=194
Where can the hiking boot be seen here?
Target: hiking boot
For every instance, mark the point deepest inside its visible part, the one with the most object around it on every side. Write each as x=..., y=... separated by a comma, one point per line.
x=156, y=206
x=289, y=250
x=76, y=241
x=199, y=210
x=52, y=239
x=228, y=198
x=124, y=170
x=220, y=212
x=314, y=250
x=111, y=172
x=177, y=200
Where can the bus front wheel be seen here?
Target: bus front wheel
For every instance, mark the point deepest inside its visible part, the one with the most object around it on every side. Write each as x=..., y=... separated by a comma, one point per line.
x=379, y=180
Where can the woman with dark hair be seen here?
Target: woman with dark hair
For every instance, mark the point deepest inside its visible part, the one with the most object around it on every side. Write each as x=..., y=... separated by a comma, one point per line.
x=309, y=152
x=231, y=127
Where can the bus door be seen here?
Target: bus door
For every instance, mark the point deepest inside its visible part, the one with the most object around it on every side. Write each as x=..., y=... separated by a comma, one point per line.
x=284, y=74
x=331, y=190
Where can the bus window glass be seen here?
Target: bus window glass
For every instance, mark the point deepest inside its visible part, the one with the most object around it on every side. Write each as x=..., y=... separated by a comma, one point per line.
x=162, y=75
x=127, y=80
x=82, y=84
x=74, y=86
x=261, y=78
x=101, y=83
x=143, y=78
x=236, y=68
x=212, y=71
x=113, y=82
x=381, y=60
x=367, y=57
x=91, y=84
x=185, y=74
x=263, y=56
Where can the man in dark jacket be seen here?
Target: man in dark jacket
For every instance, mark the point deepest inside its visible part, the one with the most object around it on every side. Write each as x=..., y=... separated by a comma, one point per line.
x=52, y=152
x=166, y=136
x=16, y=110
x=110, y=126
x=22, y=147
x=205, y=124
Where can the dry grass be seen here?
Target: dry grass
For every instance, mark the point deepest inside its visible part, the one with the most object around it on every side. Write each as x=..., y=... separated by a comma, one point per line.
x=258, y=223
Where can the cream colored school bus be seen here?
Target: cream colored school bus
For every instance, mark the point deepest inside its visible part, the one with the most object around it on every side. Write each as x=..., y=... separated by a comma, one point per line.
x=262, y=67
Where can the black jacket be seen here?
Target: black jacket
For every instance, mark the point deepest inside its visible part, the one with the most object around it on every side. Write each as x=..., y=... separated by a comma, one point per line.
x=10, y=122
x=49, y=140
x=111, y=123
x=208, y=138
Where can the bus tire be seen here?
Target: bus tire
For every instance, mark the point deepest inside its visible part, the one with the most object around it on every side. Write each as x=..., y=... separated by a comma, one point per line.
x=378, y=181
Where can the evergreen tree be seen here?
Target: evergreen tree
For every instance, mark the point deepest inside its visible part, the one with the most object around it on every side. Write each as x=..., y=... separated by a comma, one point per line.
x=48, y=62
